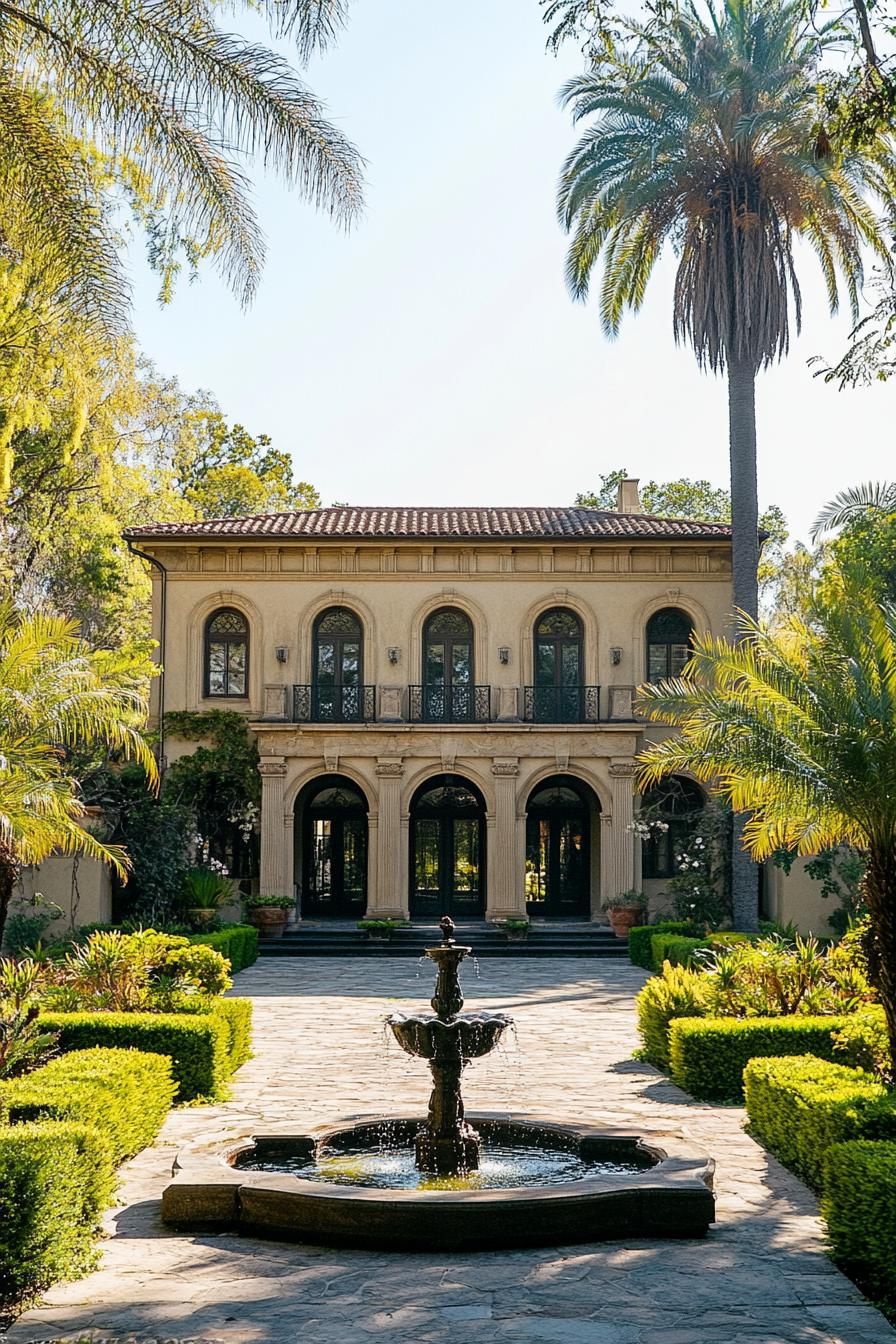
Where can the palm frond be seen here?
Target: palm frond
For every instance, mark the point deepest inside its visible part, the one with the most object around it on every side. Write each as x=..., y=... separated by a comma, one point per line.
x=877, y=496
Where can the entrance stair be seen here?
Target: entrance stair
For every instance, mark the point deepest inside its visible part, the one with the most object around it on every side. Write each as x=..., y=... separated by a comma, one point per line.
x=340, y=938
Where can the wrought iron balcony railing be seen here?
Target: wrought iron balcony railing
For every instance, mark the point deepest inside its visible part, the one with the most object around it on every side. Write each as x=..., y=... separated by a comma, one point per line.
x=561, y=704
x=333, y=704
x=449, y=704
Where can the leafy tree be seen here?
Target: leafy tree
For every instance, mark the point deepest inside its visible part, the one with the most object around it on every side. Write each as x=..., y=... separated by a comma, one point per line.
x=797, y=729
x=173, y=106
x=223, y=471
x=705, y=136
x=56, y=695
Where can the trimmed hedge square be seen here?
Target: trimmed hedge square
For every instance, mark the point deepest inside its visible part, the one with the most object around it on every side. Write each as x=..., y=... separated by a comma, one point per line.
x=238, y=943
x=237, y=1014
x=708, y=1055
x=55, y=1180
x=800, y=1107
x=639, y=939
x=675, y=948
x=859, y=1206
x=125, y=1094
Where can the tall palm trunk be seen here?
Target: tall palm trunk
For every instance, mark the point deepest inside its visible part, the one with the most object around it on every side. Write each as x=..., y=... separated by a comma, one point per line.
x=880, y=893
x=745, y=589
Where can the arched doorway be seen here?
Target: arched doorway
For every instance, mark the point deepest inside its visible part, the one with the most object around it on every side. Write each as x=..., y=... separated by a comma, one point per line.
x=331, y=845
x=447, y=849
x=559, y=667
x=558, y=848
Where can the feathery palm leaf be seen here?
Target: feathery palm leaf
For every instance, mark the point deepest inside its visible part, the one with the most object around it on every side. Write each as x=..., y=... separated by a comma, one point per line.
x=879, y=496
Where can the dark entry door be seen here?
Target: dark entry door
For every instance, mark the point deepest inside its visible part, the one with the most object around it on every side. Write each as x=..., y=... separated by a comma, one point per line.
x=447, y=858
x=558, y=863
x=335, y=854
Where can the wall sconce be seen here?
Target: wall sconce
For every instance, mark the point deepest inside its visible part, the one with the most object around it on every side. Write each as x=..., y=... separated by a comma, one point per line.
x=616, y=656
x=282, y=653
x=504, y=656
x=393, y=655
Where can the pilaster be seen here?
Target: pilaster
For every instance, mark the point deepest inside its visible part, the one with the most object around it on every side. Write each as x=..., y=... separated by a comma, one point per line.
x=273, y=880
x=506, y=894
x=388, y=899
x=622, y=783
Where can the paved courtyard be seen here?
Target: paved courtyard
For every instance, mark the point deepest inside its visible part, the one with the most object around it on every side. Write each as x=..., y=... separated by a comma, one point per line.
x=761, y=1277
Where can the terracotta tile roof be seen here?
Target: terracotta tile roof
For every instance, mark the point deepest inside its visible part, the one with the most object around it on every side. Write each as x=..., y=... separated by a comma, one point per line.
x=440, y=524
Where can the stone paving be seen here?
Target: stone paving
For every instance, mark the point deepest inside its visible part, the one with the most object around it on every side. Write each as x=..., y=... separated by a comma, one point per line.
x=761, y=1277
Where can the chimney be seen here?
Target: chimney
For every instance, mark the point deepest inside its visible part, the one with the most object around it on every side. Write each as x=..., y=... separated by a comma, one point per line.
x=627, y=499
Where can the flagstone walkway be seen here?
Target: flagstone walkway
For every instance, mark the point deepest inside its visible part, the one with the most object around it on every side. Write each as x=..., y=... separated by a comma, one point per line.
x=760, y=1278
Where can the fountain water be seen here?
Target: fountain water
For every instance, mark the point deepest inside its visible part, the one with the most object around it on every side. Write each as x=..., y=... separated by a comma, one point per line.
x=443, y=1182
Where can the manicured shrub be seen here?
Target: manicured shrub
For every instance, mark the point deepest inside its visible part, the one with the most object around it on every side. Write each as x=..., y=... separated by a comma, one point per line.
x=859, y=1206
x=237, y=1014
x=800, y=1107
x=238, y=943
x=708, y=1055
x=639, y=940
x=864, y=1042
x=198, y=1044
x=676, y=948
x=678, y=992
x=55, y=1179
x=125, y=1094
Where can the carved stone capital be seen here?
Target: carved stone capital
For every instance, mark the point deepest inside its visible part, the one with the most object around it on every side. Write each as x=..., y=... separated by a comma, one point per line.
x=623, y=769
x=271, y=769
x=505, y=767
x=389, y=768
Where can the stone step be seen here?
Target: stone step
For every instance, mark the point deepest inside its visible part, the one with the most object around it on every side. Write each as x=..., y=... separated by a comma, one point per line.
x=317, y=942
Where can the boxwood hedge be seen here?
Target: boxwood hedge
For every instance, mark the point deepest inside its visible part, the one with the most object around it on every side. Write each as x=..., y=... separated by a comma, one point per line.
x=859, y=1206
x=708, y=1055
x=800, y=1107
x=238, y=943
x=639, y=940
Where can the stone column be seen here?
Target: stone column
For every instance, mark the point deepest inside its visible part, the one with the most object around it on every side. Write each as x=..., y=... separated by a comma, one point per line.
x=388, y=900
x=622, y=779
x=273, y=881
x=505, y=859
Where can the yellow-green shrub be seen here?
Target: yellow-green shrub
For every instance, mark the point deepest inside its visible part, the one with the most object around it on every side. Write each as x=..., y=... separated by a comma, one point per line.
x=678, y=992
x=641, y=936
x=859, y=1206
x=708, y=1055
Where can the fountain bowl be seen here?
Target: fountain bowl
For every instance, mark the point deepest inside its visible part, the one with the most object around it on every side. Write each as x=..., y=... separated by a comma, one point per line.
x=466, y=1036
x=665, y=1193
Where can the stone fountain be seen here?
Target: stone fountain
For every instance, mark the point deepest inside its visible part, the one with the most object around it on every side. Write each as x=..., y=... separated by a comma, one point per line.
x=440, y=1182
x=446, y=1144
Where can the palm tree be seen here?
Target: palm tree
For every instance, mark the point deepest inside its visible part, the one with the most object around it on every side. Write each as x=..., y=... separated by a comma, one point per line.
x=707, y=138
x=797, y=728
x=56, y=695
x=845, y=508
x=175, y=106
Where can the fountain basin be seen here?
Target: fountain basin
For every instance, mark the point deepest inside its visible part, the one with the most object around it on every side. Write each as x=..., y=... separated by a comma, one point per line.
x=664, y=1189
x=467, y=1036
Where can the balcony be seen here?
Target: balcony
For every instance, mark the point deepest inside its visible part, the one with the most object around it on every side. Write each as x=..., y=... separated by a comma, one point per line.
x=333, y=704
x=561, y=704
x=449, y=704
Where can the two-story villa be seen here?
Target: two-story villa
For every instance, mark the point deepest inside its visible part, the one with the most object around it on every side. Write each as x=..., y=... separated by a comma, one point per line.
x=442, y=696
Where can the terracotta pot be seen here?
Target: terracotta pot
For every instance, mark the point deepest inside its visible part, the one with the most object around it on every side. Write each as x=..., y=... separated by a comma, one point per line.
x=200, y=916
x=270, y=920
x=625, y=918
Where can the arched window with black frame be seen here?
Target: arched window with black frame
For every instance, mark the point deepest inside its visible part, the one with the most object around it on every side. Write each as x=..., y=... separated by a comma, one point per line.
x=671, y=810
x=558, y=665
x=226, y=654
x=331, y=848
x=669, y=635
x=448, y=691
x=338, y=668
x=447, y=860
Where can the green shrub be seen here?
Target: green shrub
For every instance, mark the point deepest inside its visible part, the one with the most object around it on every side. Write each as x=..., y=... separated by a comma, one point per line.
x=864, y=1042
x=676, y=948
x=238, y=943
x=124, y=1093
x=859, y=1206
x=55, y=1180
x=639, y=939
x=237, y=1014
x=198, y=1044
x=708, y=1055
x=800, y=1107
x=678, y=992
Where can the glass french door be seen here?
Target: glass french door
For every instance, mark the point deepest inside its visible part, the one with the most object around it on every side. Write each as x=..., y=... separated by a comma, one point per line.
x=447, y=867
x=558, y=866
x=335, y=854
x=448, y=667
x=558, y=668
x=337, y=672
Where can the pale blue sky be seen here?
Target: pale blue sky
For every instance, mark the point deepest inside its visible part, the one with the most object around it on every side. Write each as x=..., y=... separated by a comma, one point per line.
x=433, y=355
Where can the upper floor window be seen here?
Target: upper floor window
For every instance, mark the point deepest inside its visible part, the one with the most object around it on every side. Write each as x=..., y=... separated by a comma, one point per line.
x=448, y=694
x=669, y=634
x=558, y=649
x=227, y=653
x=337, y=672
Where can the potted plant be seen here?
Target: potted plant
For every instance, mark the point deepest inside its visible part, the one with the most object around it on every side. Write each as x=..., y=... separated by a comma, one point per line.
x=625, y=911
x=381, y=930
x=515, y=930
x=204, y=892
x=269, y=913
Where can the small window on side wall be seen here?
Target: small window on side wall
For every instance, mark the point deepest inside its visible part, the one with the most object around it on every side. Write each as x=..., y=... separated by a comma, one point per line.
x=227, y=654
x=669, y=633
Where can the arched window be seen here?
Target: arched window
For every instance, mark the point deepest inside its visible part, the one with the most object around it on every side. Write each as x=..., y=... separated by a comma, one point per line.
x=669, y=634
x=227, y=653
x=447, y=868
x=675, y=805
x=338, y=671
x=558, y=691
x=448, y=694
x=558, y=858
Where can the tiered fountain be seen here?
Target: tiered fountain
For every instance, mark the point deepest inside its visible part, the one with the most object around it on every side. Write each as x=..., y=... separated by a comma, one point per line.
x=443, y=1182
